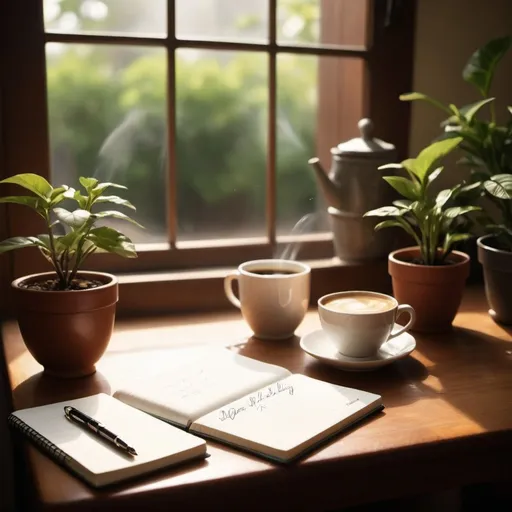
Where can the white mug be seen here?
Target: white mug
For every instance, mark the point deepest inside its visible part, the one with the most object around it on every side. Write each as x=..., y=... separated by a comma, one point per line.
x=358, y=323
x=274, y=295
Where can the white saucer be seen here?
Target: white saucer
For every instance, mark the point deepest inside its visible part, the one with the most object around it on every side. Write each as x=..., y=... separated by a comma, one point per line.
x=317, y=345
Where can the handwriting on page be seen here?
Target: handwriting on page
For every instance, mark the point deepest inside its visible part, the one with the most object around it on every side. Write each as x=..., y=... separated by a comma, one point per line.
x=257, y=402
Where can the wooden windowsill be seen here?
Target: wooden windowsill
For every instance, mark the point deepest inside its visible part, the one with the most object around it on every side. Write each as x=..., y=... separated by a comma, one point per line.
x=202, y=290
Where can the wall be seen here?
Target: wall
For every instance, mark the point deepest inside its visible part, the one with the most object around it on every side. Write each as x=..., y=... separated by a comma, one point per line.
x=447, y=33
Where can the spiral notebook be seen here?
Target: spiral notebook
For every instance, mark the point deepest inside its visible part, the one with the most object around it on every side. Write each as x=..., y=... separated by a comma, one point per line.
x=158, y=444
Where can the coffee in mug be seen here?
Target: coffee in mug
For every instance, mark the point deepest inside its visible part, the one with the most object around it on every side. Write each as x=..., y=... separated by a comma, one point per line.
x=358, y=323
x=271, y=272
x=274, y=295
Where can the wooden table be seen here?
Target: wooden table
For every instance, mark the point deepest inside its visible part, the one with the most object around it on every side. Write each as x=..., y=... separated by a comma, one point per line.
x=447, y=422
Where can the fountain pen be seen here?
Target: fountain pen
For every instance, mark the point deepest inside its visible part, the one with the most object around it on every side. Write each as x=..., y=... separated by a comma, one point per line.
x=97, y=428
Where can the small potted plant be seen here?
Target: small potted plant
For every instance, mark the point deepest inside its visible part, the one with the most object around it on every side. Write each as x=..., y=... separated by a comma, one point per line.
x=66, y=316
x=488, y=151
x=429, y=276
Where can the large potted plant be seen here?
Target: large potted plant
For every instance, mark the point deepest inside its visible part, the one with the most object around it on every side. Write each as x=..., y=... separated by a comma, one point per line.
x=66, y=316
x=429, y=276
x=488, y=151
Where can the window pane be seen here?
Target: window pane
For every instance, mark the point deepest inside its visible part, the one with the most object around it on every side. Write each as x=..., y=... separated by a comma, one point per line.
x=107, y=115
x=221, y=115
x=107, y=16
x=322, y=22
x=319, y=102
x=233, y=20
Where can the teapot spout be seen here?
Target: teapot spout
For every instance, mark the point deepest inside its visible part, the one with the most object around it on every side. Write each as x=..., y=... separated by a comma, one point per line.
x=327, y=186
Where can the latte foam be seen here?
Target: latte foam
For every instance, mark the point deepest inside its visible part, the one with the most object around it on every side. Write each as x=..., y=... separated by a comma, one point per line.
x=360, y=303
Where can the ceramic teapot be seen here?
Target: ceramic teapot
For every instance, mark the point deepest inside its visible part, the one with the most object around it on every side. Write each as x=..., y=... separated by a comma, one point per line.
x=354, y=183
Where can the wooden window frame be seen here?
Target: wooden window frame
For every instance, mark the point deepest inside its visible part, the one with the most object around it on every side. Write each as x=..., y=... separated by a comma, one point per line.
x=388, y=72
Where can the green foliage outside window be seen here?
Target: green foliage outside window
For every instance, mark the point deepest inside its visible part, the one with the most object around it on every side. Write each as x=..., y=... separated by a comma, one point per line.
x=114, y=124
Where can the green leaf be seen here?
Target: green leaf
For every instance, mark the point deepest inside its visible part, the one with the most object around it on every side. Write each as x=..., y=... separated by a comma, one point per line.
x=110, y=240
x=59, y=194
x=390, y=166
x=450, y=121
x=454, y=109
x=57, y=242
x=407, y=164
x=470, y=110
x=32, y=202
x=59, y=190
x=70, y=193
x=443, y=197
x=500, y=186
x=69, y=241
x=76, y=219
x=123, y=248
x=431, y=154
x=78, y=197
x=18, y=242
x=472, y=190
x=45, y=241
x=509, y=109
x=471, y=187
x=33, y=182
x=457, y=211
x=402, y=203
x=434, y=174
x=116, y=215
x=453, y=238
x=481, y=66
x=388, y=224
x=99, y=189
x=405, y=187
x=413, y=96
x=398, y=222
x=459, y=237
x=386, y=211
x=88, y=183
x=115, y=200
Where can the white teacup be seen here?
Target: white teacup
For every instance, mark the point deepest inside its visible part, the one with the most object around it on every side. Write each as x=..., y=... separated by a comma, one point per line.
x=358, y=323
x=274, y=295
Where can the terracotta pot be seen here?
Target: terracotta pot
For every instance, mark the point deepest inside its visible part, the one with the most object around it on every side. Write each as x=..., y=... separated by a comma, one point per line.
x=435, y=292
x=497, y=265
x=67, y=331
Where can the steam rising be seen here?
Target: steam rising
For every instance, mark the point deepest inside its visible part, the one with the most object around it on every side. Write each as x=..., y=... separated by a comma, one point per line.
x=303, y=226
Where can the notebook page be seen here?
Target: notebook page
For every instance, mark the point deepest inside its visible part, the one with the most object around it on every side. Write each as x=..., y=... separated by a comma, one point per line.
x=282, y=419
x=192, y=390
x=156, y=442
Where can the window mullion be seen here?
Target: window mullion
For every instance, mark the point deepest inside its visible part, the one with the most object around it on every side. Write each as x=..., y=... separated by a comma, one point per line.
x=172, y=196
x=272, y=112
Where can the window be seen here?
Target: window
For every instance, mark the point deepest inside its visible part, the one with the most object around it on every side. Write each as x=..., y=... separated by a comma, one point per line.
x=208, y=110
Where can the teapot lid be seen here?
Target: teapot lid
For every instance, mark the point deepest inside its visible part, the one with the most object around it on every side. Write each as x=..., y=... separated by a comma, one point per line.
x=366, y=145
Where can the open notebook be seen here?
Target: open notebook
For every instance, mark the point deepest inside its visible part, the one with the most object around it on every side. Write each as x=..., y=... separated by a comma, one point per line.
x=158, y=444
x=255, y=406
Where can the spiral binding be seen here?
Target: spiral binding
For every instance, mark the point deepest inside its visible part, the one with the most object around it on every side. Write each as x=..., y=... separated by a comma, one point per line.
x=41, y=441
